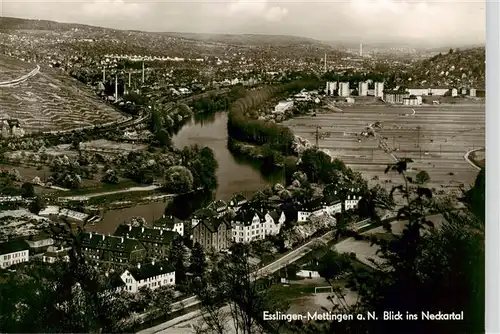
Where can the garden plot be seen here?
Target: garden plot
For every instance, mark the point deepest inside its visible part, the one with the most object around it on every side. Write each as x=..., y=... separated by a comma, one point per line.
x=50, y=100
x=435, y=138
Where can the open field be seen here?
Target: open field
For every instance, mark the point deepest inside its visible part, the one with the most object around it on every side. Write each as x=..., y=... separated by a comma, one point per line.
x=446, y=133
x=50, y=100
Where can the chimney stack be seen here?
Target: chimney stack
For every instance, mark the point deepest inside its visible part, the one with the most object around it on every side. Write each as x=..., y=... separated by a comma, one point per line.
x=129, y=75
x=122, y=240
x=116, y=87
x=139, y=265
x=153, y=262
x=143, y=72
x=103, y=237
x=90, y=235
x=130, y=228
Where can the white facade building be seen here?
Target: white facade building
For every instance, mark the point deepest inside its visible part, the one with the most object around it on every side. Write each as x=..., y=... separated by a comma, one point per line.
x=253, y=225
x=13, y=252
x=472, y=92
x=454, y=92
x=170, y=223
x=315, y=207
x=351, y=202
x=344, y=90
x=379, y=89
x=363, y=89
x=283, y=106
x=331, y=87
x=152, y=275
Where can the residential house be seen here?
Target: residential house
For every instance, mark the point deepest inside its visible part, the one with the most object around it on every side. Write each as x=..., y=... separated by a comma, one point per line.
x=314, y=207
x=112, y=249
x=219, y=207
x=39, y=242
x=170, y=223
x=332, y=204
x=253, y=224
x=213, y=234
x=156, y=241
x=13, y=252
x=454, y=92
x=201, y=214
x=351, y=201
x=54, y=254
x=237, y=201
x=151, y=275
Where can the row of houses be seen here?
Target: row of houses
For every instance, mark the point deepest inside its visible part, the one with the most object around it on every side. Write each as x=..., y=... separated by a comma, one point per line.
x=413, y=96
x=255, y=221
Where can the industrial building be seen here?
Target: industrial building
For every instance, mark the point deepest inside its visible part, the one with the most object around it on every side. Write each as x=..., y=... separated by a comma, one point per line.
x=331, y=87
x=344, y=90
x=363, y=89
x=395, y=96
x=379, y=89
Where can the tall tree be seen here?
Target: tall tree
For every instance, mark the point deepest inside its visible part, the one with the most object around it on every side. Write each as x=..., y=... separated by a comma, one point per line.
x=197, y=260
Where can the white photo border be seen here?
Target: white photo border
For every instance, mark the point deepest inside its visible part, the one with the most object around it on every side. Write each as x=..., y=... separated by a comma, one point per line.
x=492, y=302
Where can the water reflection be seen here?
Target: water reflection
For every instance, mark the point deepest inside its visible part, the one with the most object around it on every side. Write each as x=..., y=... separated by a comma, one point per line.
x=235, y=174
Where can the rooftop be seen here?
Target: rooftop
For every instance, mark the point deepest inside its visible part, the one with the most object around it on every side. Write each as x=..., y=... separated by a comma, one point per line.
x=12, y=246
x=145, y=234
x=143, y=271
x=112, y=243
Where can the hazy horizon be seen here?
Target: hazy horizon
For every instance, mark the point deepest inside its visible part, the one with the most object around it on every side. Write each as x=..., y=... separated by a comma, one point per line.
x=428, y=23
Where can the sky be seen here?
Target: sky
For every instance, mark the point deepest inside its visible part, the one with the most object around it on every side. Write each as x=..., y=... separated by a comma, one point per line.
x=368, y=21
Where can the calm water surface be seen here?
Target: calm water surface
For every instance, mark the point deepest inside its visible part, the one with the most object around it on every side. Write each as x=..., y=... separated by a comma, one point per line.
x=234, y=175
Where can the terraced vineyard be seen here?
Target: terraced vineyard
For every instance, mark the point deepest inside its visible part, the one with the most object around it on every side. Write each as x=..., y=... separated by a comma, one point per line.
x=50, y=100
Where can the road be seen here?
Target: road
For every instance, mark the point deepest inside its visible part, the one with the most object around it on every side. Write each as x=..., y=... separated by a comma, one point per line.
x=292, y=256
x=22, y=79
x=363, y=250
x=466, y=157
x=271, y=268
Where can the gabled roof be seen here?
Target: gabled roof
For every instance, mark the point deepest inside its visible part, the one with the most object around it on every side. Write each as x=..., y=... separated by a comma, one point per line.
x=311, y=206
x=331, y=200
x=213, y=223
x=12, y=246
x=203, y=213
x=218, y=205
x=145, y=234
x=112, y=243
x=144, y=271
x=246, y=215
x=167, y=222
x=238, y=199
x=275, y=215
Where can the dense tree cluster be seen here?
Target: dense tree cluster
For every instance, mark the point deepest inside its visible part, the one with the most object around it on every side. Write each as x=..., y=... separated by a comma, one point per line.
x=243, y=128
x=426, y=267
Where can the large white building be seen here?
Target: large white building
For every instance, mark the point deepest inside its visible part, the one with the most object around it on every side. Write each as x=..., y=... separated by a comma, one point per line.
x=13, y=252
x=379, y=89
x=152, y=275
x=170, y=223
x=363, y=89
x=251, y=224
x=283, y=106
x=344, y=90
x=331, y=87
x=315, y=207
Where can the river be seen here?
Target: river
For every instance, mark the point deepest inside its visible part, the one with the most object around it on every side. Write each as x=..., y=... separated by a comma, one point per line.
x=234, y=175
